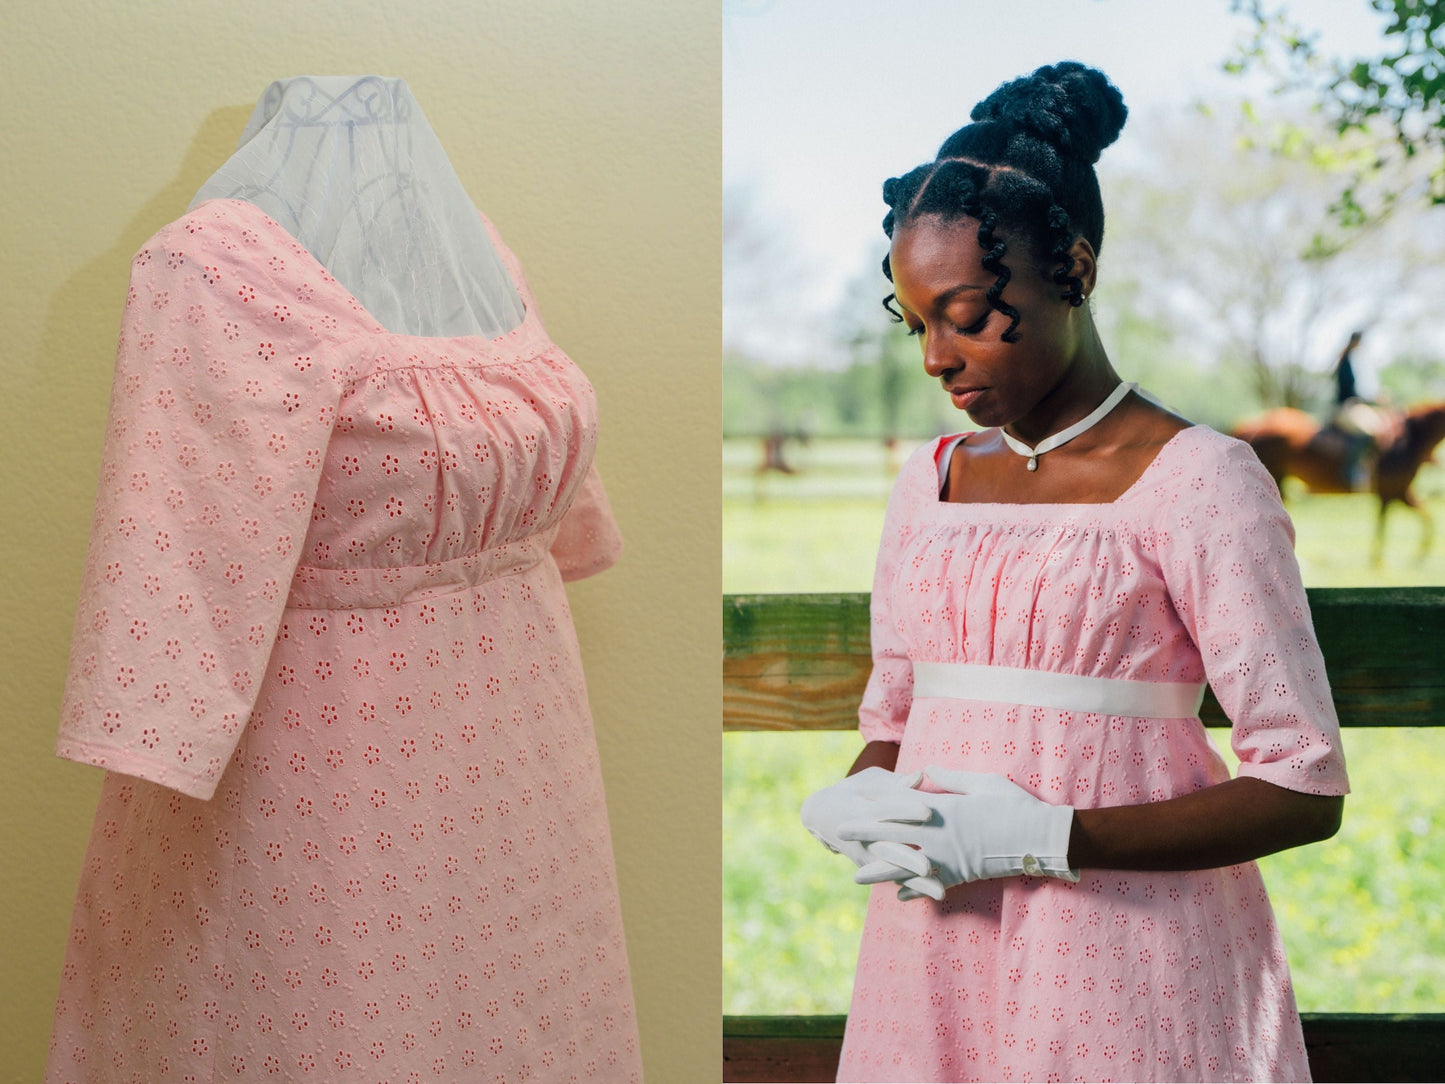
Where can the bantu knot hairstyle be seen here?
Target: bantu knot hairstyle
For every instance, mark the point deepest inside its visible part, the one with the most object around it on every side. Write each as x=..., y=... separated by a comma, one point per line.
x=1023, y=169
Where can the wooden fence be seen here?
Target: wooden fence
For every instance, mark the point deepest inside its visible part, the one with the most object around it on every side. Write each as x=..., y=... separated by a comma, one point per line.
x=799, y=662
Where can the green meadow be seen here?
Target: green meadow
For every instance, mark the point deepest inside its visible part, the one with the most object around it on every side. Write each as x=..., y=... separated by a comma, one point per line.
x=1360, y=914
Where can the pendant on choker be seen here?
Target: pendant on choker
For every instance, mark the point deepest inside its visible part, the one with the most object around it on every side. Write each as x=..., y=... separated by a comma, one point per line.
x=1062, y=437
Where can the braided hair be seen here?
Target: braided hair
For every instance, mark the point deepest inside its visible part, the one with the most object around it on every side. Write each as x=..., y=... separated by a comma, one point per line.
x=1024, y=169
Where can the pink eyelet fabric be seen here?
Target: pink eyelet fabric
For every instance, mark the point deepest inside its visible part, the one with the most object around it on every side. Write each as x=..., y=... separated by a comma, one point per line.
x=1189, y=576
x=352, y=824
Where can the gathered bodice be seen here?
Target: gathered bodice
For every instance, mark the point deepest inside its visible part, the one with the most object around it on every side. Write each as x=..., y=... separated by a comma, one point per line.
x=436, y=458
x=1073, y=589
x=1188, y=576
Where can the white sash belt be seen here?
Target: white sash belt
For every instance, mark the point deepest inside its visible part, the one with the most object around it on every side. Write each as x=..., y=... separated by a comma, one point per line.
x=1069, y=692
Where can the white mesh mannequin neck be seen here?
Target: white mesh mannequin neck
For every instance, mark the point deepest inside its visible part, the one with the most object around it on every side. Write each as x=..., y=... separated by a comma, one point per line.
x=350, y=166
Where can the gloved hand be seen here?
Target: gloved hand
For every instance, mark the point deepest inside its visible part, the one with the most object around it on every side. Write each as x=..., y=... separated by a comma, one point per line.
x=854, y=798
x=983, y=826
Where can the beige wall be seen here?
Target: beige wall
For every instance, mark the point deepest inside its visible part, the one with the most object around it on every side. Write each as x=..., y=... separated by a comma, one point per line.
x=589, y=132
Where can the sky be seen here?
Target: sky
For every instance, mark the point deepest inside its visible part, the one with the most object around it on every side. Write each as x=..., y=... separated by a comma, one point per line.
x=824, y=99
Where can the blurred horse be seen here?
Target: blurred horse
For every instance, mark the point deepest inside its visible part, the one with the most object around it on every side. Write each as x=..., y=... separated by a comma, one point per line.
x=1290, y=442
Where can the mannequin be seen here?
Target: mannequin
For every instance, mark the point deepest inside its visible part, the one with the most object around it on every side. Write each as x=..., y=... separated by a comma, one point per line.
x=353, y=812
x=350, y=167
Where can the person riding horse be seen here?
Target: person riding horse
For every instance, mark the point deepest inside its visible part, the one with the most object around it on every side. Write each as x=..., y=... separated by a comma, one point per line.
x=1359, y=424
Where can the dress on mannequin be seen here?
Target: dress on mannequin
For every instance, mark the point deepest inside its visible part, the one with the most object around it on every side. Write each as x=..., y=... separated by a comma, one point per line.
x=353, y=820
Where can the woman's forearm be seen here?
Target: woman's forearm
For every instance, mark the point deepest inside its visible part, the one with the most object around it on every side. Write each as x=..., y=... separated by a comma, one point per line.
x=1222, y=825
x=876, y=754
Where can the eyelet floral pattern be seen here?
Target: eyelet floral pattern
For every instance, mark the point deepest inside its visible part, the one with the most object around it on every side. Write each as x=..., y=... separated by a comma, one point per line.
x=1125, y=975
x=353, y=824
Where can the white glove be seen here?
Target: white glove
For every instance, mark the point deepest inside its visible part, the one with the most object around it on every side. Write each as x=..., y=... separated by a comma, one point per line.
x=982, y=827
x=855, y=798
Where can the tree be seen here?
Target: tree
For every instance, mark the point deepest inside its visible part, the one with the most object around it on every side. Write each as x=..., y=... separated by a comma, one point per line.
x=1235, y=249
x=763, y=271
x=1396, y=100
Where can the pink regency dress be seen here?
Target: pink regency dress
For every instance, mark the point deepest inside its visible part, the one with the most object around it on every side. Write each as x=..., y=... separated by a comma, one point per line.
x=1189, y=576
x=353, y=823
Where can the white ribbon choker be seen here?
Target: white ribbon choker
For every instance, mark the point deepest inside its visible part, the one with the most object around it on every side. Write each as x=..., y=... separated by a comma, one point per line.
x=1048, y=444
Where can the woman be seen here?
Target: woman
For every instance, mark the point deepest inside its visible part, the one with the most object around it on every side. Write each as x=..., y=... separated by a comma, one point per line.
x=1078, y=898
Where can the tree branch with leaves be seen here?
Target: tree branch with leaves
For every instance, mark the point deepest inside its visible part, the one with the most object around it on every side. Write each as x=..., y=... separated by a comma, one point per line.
x=1387, y=110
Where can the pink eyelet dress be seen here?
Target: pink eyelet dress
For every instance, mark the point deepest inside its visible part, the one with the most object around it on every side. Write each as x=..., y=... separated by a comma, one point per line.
x=352, y=825
x=1189, y=576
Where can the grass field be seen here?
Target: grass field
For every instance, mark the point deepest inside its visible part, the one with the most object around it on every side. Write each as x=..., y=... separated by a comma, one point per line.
x=1360, y=914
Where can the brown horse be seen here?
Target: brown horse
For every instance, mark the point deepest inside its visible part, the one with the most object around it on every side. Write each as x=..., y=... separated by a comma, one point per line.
x=1290, y=442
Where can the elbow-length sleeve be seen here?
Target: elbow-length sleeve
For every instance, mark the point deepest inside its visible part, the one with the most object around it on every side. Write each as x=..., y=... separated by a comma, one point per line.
x=889, y=694
x=1226, y=548
x=587, y=540
x=220, y=413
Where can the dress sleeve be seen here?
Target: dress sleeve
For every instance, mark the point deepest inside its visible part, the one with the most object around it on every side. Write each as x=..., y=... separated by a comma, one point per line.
x=1226, y=548
x=588, y=540
x=220, y=412
x=889, y=695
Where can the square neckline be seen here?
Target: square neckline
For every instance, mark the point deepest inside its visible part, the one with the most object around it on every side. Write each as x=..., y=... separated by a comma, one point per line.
x=996, y=507
x=509, y=264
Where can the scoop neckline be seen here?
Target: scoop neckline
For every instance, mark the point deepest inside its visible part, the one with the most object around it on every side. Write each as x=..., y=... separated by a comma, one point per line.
x=996, y=507
x=508, y=261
